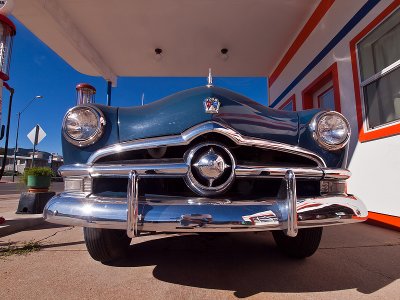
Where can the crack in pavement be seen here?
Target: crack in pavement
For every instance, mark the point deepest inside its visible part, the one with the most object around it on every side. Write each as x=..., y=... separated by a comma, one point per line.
x=374, y=271
x=55, y=233
x=355, y=247
x=362, y=266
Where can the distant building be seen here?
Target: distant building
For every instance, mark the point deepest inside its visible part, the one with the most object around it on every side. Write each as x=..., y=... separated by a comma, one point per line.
x=24, y=159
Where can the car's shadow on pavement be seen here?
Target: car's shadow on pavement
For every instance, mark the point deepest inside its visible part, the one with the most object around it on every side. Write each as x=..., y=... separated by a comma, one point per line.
x=250, y=263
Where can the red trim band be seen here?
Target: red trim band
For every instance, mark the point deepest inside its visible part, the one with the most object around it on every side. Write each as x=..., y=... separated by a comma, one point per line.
x=390, y=130
x=305, y=32
x=4, y=76
x=6, y=20
x=5, y=84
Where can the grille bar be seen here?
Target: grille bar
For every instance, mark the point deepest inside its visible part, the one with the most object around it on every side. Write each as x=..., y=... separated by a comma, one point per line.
x=181, y=169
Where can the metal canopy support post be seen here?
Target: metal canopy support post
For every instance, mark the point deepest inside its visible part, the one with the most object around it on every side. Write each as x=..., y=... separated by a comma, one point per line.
x=109, y=87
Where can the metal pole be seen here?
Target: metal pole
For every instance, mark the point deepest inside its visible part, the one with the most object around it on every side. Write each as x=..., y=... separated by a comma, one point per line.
x=34, y=145
x=7, y=132
x=16, y=147
x=51, y=161
x=109, y=93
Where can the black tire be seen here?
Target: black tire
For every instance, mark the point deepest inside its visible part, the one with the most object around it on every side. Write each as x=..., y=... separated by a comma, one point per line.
x=105, y=245
x=303, y=245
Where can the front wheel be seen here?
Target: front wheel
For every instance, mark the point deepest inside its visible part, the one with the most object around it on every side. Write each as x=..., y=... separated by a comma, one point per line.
x=301, y=246
x=106, y=244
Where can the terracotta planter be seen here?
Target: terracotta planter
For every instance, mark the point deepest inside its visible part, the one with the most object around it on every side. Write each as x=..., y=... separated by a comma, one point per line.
x=38, y=183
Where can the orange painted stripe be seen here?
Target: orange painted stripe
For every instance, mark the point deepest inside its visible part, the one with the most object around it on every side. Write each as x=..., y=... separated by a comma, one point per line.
x=384, y=220
x=312, y=22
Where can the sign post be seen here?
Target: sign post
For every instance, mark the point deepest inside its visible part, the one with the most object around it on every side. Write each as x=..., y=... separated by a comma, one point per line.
x=34, y=145
x=36, y=135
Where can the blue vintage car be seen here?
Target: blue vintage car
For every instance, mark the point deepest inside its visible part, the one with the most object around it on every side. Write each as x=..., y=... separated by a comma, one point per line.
x=203, y=160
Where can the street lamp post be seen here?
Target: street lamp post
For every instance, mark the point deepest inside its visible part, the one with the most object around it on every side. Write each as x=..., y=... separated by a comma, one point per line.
x=16, y=137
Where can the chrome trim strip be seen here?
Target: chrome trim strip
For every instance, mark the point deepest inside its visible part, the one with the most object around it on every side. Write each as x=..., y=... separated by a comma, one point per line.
x=152, y=170
x=279, y=172
x=181, y=169
x=187, y=136
x=336, y=174
x=164, y=214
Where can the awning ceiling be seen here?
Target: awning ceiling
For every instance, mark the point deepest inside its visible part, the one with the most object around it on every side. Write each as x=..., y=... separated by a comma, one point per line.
x=117, y=38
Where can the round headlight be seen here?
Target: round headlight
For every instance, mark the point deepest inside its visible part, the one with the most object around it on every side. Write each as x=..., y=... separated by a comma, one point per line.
x=83, y=125
x=331, y=130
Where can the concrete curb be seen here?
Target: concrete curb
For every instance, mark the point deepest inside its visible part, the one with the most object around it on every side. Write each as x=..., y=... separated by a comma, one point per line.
x=16, y=223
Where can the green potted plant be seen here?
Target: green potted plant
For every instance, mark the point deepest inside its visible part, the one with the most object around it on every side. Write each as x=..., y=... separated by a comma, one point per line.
x=38, y=178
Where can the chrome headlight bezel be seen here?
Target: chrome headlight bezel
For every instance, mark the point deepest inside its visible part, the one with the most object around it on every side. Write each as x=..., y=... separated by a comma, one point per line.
x=95, y=136
x=314, y=129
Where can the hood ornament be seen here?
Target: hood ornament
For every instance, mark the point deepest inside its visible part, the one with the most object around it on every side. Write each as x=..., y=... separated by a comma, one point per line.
x=209, y=79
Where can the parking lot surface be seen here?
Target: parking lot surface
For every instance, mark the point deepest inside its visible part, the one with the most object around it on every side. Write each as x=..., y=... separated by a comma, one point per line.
x=354, y=261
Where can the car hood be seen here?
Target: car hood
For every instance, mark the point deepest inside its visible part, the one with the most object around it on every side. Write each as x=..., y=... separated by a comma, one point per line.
x=178, y=112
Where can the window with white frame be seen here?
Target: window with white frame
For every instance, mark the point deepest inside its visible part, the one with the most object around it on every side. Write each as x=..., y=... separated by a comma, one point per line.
x=379, y=60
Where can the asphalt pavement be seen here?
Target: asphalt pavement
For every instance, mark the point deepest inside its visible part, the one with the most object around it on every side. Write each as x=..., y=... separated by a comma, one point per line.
x=356, y=261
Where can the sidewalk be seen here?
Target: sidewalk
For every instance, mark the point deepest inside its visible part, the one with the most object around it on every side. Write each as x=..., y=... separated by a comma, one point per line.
x=15, y=222
x=356, y=261
x=8, y=179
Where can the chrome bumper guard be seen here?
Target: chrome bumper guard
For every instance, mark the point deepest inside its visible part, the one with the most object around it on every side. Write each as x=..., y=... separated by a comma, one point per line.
x=177, y=214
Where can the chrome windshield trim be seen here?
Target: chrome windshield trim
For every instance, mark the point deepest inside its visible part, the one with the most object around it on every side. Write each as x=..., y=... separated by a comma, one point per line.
x=190, y=134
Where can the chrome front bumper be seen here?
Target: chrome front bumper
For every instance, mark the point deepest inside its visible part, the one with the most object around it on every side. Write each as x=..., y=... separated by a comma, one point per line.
x=176, y=214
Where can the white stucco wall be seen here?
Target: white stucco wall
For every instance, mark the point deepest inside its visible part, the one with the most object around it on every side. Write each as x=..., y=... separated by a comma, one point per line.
x=374, y=164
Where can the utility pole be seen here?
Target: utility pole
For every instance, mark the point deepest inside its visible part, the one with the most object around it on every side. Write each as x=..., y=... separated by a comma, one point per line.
x=3, y=164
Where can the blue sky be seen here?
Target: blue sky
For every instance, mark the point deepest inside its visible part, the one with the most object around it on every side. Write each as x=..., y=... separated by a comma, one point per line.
x=37, y=70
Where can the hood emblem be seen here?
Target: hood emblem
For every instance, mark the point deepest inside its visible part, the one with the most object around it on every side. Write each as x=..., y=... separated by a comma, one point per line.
x=211, y=105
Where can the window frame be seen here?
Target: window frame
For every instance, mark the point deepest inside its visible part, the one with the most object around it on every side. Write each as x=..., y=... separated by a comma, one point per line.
x=330, y=74
x=319, y=97
x=291, y=99
x=388, y=129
